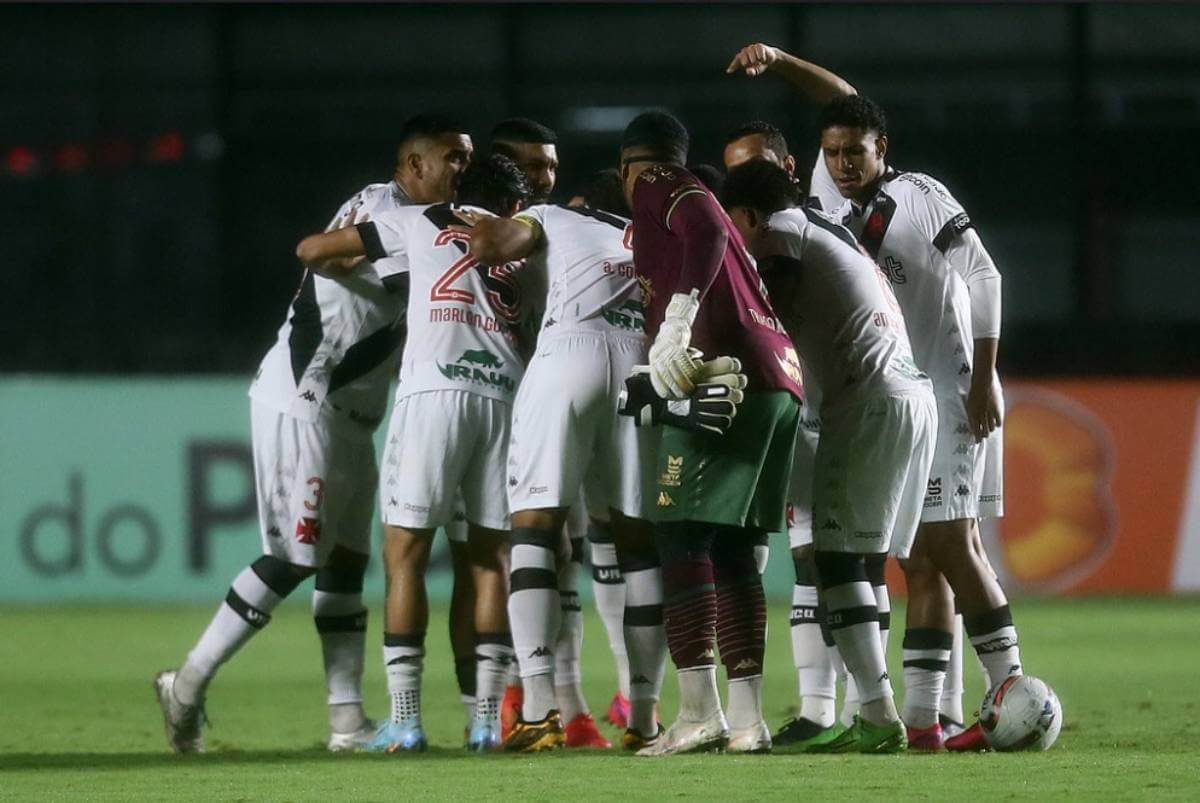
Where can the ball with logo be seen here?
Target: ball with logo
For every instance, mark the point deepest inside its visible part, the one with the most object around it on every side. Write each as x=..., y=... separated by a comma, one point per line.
x=1020, y=713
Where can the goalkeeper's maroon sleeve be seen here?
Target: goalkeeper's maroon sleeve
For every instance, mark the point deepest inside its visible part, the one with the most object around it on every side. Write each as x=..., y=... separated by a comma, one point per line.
x=697, y=222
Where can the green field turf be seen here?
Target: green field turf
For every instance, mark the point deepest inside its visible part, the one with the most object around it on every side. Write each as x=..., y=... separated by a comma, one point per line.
x=78, y=720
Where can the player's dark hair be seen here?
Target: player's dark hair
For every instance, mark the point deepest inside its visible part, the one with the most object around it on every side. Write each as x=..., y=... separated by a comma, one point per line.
x=853, y=111
x=773, y=136
x=605, y=193
x=711, y=177
x=759, y=185
x=423, y=126
x=495, y=183
x=660, y=133
x=522, y=130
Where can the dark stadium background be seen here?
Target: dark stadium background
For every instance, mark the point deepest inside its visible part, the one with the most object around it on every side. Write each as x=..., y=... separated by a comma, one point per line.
x=158, y=163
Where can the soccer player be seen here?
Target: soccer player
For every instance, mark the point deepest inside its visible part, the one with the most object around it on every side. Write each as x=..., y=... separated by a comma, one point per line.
x=813, y=654
x=949, y=289
x=534, y=148
x=319, y=394
x=448, y=432
x=715, y=494
x=566, y=434
x=878, y=422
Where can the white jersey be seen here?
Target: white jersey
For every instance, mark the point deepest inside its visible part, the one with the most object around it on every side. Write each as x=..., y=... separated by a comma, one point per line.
x=838, y=308
x=337, y=349
x=823, y=191
x=587, y=258
x=907, y=228
x=462, y=316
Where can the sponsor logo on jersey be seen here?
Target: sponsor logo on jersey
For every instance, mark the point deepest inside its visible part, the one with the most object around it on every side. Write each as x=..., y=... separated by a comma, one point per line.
x=308, y=530
x=665, y=500
x=893, y=268
x=538, y=489
x=789, y=363
x=673, y=476
x=933, y=492
x=766, y=321
x=869, y=534
x=478, y=366
x=416, y=508
x=630, y=316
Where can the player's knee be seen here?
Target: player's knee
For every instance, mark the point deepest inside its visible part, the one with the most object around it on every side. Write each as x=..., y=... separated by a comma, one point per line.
x=734, y=547
x=802, y=562
x=343, y=573
x=637, y=555
x=279, y=575
x=876, y=568
x=679, y=541
x=407, y=549
x=839, y=568
x=487, y=549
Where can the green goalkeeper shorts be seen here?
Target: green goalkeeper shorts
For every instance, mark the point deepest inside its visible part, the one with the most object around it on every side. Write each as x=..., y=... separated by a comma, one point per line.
x=739, y=478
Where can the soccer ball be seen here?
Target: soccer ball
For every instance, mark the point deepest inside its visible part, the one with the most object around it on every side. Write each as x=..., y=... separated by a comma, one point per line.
x=1020, y=713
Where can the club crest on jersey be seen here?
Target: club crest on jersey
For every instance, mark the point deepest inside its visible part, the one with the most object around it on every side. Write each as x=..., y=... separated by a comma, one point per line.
x=308, y=530
x=629, y=316
x=647, y=289
x=789, y=363
x=475, y=366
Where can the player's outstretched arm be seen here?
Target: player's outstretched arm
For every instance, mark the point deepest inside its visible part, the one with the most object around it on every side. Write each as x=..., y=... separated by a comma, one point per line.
x=495, y=240
x=817, y=83
x=334, y=252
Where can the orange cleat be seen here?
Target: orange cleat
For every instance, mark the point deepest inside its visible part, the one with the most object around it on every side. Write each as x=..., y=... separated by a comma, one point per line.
x=969, y=741
x=618, y=711
x=582, y=732
x=510, y=709
x=927, y=740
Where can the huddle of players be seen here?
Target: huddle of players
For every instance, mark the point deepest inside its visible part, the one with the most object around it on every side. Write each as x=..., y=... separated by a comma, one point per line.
x=903, y=433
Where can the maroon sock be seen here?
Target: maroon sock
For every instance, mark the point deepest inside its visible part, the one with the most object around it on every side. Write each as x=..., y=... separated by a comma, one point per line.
x=741, y=607
x=690, y=610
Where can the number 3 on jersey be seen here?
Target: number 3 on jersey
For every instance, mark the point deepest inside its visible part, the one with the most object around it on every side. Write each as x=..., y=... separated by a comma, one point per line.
x=502, y=290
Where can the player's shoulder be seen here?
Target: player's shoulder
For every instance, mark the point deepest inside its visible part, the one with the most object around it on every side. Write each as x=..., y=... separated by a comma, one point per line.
x=585, y=216
x=914, y=188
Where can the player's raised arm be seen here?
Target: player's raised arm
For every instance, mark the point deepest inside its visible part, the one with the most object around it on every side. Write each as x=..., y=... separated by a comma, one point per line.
x=495, y=240
x=817, y=83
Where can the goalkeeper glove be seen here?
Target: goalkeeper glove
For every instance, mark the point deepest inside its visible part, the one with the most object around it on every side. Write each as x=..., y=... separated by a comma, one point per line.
x=672, y=369
x=711, y=407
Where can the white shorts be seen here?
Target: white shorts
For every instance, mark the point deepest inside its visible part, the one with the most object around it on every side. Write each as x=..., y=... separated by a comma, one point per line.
x=872, y=463
x=566, y=432
x=316, y=489
x=966, y=480
x=439, y=443
x=800, y=486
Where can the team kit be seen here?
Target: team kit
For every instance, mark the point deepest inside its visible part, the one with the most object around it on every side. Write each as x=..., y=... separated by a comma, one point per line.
x=663, y=371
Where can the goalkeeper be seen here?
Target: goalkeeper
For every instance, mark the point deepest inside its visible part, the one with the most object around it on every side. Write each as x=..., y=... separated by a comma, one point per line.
x=714, y=494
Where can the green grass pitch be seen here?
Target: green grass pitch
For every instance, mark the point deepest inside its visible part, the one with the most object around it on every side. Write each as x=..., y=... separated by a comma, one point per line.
x=78, y=719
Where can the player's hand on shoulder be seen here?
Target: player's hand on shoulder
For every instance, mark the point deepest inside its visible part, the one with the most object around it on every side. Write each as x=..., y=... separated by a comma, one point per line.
x=753, y=59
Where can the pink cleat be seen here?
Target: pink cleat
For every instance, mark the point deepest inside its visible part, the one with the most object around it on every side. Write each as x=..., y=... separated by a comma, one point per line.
x=618, y=711
x=971, y=740
x=927, y=740
x=582, y=732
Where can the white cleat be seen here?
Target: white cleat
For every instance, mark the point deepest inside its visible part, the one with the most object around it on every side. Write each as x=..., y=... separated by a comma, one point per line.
x=182, y=721
x=689, y=736
x=754, y=739
x=355, y=740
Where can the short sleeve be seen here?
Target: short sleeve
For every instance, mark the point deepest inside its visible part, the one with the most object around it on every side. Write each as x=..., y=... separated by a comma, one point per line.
x=935, y=212
x=385, y=240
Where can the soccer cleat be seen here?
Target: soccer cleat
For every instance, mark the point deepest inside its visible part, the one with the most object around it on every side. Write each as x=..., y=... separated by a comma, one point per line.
x=927, y=740
x=483, y=735
x=634, y=741
x=618, y=711
x=800, y=735
x=864, y=737
x=582, y=732
x=534, y=737
x=399, y=737
x=354, y=740
x=510, y=709
x=754, y=739
x=182, y=721
x=686, y=736
x=969, y=741
x=950, y=727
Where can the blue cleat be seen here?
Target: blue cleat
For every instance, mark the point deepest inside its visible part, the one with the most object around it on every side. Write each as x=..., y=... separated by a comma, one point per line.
x=395, y=737
x=483, y=735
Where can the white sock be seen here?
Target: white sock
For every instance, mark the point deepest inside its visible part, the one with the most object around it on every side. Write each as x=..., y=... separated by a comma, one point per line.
x=494, y=654
x=883, y=605
x=646, y=640
x=995, y=641
x=926, y=651
x=812, y=658
x=855, y=628
x=850, y=703
x=951, y=702
x=608, y=587
x=534, y=613
x=246, y=610
x=341, y=622
x=745, y=702
x=567, y=689
x=698, y=696
x=468, y=704
x=404, y=661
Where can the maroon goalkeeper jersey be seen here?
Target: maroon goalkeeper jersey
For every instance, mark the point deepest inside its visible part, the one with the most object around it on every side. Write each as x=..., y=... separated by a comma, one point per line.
x=682, y=239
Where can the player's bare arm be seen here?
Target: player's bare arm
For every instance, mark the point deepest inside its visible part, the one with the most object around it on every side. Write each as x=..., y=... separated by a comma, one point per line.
x=817, y=83
x=495, y=240
x=332, y=253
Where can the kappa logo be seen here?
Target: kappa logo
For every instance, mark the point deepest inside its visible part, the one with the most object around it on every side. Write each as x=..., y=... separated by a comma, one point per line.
x=309, y=396
x=831, y=524
x=392, y=502
x=745, y=663
x=964, y=369
x=962, y=490
x=962, y=448
x=673, y=476
x=274, y=531
x=478, y=366
x=962, y=429
x=639, y=680
x=308, y=530
x=665, y=500
x=512, y=481
x=541, y=652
